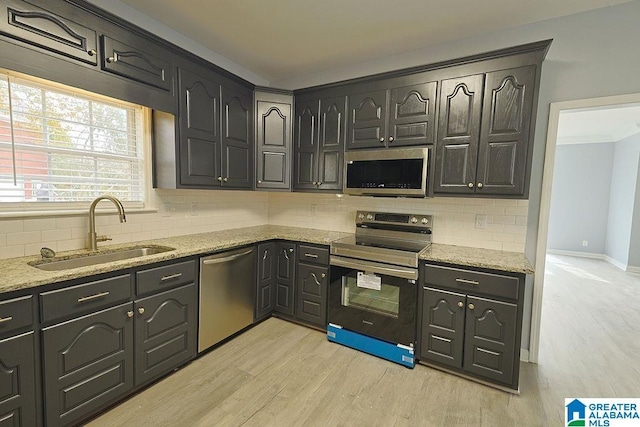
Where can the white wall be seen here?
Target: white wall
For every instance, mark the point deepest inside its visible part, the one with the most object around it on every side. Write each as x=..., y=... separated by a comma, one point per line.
x=634, y=247
x=580, y=197
x=454, y=218
x=621, y=205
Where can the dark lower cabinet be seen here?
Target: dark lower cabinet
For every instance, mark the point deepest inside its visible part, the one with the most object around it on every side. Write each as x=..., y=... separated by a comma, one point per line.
x=18, y=381
x=87, y=364
x=284, y=282
x=311, y=294
x=464, y=330
x=265, y=282
x=165, y=332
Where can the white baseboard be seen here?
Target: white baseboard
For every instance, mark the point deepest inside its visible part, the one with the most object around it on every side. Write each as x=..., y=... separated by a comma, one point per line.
x=524, y=355
x=632, y=269
x=620, y=265
x=576, y=253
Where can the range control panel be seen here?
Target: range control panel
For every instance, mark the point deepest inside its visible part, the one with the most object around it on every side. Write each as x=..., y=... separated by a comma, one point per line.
x=382, y=218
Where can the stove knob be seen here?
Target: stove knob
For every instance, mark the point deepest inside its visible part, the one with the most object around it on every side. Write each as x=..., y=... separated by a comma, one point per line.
x=369, y=217
x=414, y=220
x=361, y=216
x=425, y=221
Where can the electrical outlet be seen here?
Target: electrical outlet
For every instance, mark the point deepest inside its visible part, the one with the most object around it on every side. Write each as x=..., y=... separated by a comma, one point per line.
x=585, y=243
x=194, y=209
x=165, y=210
x=481, y=221
x=314, y=210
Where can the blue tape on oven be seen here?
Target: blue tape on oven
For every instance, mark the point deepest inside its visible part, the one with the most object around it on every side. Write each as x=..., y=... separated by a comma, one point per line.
x=385, y=350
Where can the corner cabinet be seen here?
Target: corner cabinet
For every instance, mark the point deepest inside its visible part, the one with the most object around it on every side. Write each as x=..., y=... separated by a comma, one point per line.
x=484, y=133
x=470, y=322
x=319, y=140
x=276, y=279
x=273, y=139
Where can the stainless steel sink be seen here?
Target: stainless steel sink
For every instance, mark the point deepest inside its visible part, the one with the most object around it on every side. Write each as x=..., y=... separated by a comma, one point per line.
x=85, y=260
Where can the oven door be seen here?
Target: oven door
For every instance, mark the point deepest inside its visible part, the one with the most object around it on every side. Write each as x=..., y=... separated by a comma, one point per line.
x=378, y=300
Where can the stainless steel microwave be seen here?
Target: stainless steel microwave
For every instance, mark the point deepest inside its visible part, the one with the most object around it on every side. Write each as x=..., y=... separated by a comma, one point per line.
x=396, y=172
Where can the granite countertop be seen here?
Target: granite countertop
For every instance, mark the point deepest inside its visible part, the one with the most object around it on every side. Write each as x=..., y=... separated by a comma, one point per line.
x=18, y=274
x=514, y=262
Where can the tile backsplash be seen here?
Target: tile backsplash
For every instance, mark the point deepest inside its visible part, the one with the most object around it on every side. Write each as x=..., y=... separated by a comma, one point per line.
x=184, y=212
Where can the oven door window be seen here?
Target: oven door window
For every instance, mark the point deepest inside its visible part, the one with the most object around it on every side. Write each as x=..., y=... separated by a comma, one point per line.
x=368, y=292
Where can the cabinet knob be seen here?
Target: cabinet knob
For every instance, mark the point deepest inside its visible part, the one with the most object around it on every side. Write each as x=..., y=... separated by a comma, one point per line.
x=141, y=310
x=479, y=185
x=92, y=52
x=315, y=183
x=226, y=179
x=219, y=178
x=290, y=249
x=319, y=183
x=460, y=304
x=471, y=306
x=129, y=313
x=323, y=275
x=259, y=182
x=390, y=139
x=113, y=58
x=470, y=185
x=382, y=139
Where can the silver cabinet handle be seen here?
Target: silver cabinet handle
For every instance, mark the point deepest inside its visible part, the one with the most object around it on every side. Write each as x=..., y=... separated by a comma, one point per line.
x=479, y=185
x=315, y=183
x=92, y=297
x=129, y=314
x=92, y=52
x=226, y=179
x=382, y=139
x=6, y=319
x=470, y=185
x=170, y=277
x=471, y=306
x=468, y=282
x=113, y=58
x=319, y=183
x=259, y=182
x=219, y=178
x=141, y=310
x=460, y=304
x=225, y=259
x=323, y=275
x=311, y=255
x=290, y=249
x=390, y=139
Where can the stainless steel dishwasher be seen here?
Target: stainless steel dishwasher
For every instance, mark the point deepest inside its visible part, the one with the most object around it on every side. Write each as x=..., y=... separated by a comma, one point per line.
x=227, y=284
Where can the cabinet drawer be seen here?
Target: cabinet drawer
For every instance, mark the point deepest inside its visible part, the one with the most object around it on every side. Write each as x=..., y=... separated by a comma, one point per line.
x=167, y=276
x=472, y=281
x=314, y=254
x=85, y=297
x=16, y=314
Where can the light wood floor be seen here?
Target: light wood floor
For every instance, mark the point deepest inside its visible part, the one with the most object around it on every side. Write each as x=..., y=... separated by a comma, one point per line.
x=282, y=374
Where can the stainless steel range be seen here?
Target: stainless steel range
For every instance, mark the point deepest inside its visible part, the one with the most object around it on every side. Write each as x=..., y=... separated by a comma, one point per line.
x=372, y=288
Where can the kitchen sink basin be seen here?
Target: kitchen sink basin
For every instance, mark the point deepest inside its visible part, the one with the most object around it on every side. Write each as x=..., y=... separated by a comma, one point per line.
x=86, y=260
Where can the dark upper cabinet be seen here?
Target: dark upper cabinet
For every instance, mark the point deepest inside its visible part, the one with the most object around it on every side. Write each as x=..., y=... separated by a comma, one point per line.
x=165, y=332
x=505, y=130
x=458, y=134
x=273, y=140
x=395, y=117
x=319, y=143
x=266, y=276
x=484, y=131
x=87, y=364
x=18, y=402
x=137, y=62
x=237, y=167
x=39, y=27
x=199, y=128
x=284, y=281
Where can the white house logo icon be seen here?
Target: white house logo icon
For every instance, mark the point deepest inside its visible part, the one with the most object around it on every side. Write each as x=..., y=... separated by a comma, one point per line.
x=576, y=413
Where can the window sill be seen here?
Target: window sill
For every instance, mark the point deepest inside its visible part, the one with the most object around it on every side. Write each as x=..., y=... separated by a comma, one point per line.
x=68, y=212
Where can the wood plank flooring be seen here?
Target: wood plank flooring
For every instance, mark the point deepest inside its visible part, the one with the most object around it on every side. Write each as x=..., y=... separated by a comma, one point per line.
x=282, y=374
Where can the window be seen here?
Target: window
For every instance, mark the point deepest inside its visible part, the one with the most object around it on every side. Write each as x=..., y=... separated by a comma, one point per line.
x=59, y=145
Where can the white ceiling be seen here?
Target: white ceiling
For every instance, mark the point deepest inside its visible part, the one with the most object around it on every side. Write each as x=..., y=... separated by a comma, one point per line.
x=281, y=39
x=597, y=125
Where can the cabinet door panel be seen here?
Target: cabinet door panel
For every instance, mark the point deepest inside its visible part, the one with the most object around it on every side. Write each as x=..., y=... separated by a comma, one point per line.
x=237, y=142
x=412, y=115
x=458, y=134
x=285, y=278
x=136, y=63
x=274, y=142
x=504, y=138
x=305, y=146
x=266, y=279
x=311, y=292
x=442, y=336
x=331, y=143
x=165, y=332
x=17, y=381
x=367, y=115
x=490, y=338
x=88, y=363
x=199, y=130
x=25, y=22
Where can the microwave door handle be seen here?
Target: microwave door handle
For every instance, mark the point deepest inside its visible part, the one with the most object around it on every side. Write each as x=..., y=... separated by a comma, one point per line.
x=404, y=273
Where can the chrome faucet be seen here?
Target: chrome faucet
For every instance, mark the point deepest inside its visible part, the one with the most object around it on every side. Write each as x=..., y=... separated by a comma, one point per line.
x=93, y=238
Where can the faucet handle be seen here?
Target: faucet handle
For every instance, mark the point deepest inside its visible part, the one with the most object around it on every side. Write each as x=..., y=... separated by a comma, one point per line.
x=103, y=238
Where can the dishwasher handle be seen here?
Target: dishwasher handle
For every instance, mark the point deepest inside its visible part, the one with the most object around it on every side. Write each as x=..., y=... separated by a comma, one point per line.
x=225, y=259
